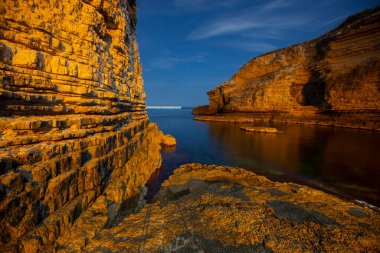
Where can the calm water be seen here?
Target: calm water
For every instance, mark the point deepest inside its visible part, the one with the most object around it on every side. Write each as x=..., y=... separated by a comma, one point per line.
x=338, y=160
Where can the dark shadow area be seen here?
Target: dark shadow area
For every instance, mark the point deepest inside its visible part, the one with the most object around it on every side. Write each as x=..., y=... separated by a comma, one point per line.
x=154, y=184
x=121, y=210
x=297, y=214
x=160, y=175
x=314, y=91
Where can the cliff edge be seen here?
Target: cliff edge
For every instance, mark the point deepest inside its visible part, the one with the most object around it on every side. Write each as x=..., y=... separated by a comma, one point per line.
x=335, y=74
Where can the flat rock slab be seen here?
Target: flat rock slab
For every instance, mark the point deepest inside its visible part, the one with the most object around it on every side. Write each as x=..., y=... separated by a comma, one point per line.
x=267, y=130
x=206, y=208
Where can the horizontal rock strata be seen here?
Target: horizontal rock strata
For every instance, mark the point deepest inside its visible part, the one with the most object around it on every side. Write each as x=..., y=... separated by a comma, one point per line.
x=74, y=132
x=332, y=79
x=206, y=208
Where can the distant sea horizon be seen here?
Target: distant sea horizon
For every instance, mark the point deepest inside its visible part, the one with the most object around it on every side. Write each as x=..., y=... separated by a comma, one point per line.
x=169, y=107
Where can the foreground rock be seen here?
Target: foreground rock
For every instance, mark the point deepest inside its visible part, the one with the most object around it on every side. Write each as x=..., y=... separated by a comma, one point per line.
x=330, y=80
x=223, y=209
x=267, y=130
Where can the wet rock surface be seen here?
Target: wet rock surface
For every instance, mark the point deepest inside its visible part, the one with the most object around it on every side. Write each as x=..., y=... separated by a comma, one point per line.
x=331, y=80
x=206, y=208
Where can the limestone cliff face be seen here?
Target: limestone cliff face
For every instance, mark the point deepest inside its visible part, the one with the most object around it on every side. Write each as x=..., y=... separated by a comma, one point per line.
x=72, y=115
x=338, y=71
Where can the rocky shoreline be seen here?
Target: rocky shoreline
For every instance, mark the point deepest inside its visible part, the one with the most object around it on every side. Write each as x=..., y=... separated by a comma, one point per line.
x=211, y=208
x=364, y=121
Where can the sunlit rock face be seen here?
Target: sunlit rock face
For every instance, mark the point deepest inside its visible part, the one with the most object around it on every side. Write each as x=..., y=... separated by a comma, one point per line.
x=337, y=72
x=207, y=208
x=72, y=115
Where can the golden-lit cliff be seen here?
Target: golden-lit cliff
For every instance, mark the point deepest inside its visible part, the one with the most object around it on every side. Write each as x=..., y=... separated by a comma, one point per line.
x=336, y=73
x=72, y=117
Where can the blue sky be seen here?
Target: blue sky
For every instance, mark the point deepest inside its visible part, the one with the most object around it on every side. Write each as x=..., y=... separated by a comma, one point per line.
x=188, y=47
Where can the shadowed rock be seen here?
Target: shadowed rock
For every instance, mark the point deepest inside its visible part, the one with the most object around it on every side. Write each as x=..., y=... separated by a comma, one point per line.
x=274, y=192
x=294, y=213
x=188, y=243
x=357, y=212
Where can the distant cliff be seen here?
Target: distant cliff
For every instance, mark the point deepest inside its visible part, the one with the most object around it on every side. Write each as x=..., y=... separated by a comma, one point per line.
x=72, y=118
x=338, y=72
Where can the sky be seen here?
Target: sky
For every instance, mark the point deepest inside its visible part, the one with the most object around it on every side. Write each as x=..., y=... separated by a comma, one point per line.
x=189, y=47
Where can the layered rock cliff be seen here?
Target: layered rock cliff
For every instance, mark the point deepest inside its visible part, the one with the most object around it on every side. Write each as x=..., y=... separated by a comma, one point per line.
x=72, y=117
x=335, y=73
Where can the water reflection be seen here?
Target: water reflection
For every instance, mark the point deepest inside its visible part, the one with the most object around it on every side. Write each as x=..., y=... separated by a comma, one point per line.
x=343, y=161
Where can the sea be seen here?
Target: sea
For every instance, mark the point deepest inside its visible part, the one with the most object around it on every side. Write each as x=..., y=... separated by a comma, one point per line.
x=341, y=161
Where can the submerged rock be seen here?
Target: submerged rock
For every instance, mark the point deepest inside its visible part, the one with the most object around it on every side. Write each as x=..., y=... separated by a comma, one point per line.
x=268, y=130
x=207, y=208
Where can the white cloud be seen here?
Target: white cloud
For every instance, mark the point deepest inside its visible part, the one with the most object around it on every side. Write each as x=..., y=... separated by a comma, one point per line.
x=167, y=61
x=251, y=46
x=336, y=20
x=233, y=25
x=276, y=4
x=220, y=27
x=202, y=5
x=268, y=19
x=180, y=7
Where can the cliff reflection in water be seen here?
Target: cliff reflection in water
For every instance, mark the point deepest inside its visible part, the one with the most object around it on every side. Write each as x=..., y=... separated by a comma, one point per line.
x=339, y=160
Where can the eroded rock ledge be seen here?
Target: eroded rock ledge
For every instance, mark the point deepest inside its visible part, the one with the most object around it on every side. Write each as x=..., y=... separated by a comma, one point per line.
x=331, y=80
x=224, y=209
